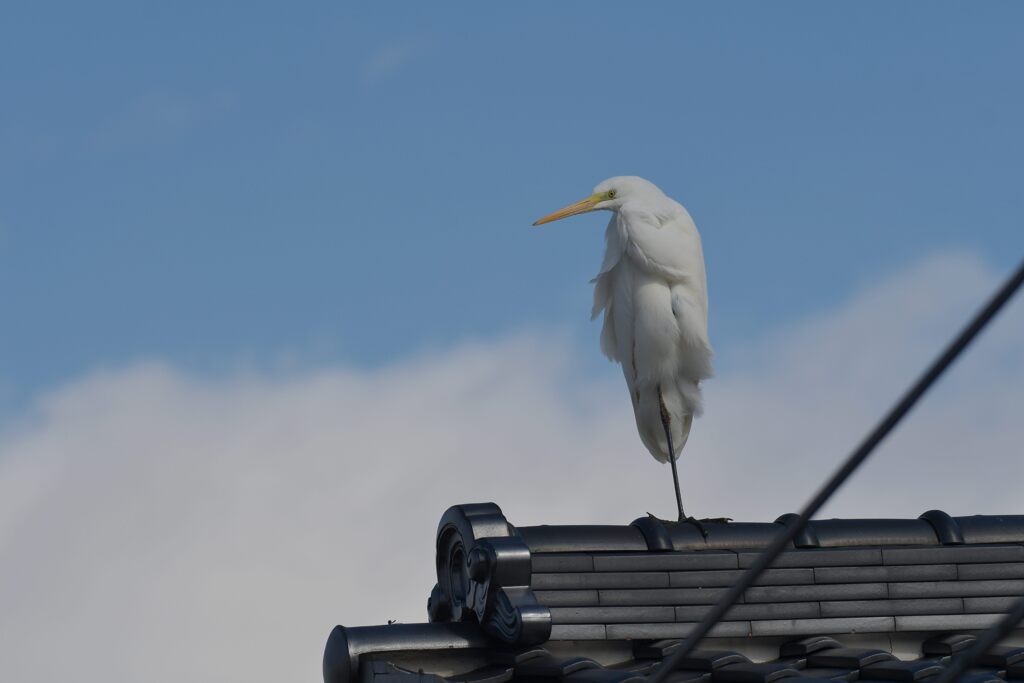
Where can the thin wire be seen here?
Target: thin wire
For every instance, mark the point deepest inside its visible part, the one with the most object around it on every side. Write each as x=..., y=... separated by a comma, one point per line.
x=985, y=641
x=855, y=459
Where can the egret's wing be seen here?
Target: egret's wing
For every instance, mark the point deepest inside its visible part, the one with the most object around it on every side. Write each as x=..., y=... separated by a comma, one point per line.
x=671, y=250
x=667, y=248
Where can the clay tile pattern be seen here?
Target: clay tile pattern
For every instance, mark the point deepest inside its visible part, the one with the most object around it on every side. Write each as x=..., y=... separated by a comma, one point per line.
x=864, y=599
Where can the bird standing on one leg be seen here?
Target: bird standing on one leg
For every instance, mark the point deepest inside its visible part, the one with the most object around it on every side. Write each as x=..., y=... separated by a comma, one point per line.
x=653, y=291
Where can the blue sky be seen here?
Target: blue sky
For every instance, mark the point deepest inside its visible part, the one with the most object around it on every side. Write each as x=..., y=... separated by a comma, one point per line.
x=264, y=272
x=217, y=186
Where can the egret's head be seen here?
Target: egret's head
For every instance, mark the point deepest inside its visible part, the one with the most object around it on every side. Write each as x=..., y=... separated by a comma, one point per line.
x=609, y=195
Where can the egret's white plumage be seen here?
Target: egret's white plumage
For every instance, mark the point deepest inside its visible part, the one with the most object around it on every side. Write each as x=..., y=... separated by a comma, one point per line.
x=653, y=292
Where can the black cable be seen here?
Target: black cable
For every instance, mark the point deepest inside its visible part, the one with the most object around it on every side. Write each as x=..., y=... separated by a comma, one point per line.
x=855, y=459
x=985, y=641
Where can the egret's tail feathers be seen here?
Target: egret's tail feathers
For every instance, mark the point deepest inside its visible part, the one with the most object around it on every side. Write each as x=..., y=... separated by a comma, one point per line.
x=692, y=398
x=678, y=408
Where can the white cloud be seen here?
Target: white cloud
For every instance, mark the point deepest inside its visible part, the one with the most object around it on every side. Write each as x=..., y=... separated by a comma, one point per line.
x=164, y=527
x=158, y=117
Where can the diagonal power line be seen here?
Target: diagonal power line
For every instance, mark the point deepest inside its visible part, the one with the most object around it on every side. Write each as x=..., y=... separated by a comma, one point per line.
x=853, y=461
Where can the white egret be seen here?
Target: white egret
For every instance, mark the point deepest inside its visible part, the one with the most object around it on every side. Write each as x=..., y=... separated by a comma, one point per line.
x=653, y=292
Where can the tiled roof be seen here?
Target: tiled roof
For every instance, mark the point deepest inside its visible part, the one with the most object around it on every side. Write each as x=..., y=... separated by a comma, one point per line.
x=459, y=653
x=883, y=599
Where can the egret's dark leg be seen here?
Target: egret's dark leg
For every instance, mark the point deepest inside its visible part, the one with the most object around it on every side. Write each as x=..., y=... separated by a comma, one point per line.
x=675, y=469
x=666, y=422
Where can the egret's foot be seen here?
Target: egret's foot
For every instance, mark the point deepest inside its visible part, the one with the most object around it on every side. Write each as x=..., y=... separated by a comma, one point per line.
x=656, y=518
x=689, y=520
x=697, y=523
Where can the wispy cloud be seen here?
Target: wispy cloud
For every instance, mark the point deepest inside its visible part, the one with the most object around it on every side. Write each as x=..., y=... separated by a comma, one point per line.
x=158, y=116
x=144, y=506
x=392, y=57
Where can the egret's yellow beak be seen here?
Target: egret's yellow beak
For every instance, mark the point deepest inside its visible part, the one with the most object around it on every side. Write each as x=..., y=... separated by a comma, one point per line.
x=582, y=206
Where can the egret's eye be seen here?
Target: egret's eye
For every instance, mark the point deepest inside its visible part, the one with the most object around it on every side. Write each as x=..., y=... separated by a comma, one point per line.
x=611, y=194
